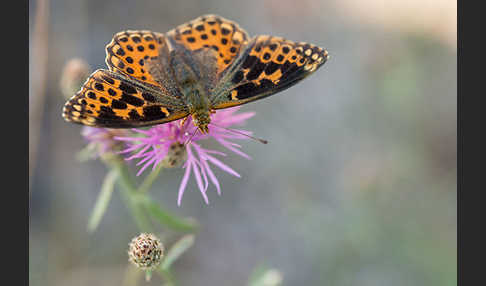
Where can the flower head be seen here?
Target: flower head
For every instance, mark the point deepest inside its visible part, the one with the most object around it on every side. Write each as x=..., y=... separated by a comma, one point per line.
x=101, y=140
x=177, y=143
x=145, y=251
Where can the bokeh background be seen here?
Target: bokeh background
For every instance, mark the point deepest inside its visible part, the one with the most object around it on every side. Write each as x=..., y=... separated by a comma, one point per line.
x=357, y=185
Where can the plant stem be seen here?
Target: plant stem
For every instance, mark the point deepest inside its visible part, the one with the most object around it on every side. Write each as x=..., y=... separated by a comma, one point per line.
x=149, y=180
x=168, y=277
x=128, y=193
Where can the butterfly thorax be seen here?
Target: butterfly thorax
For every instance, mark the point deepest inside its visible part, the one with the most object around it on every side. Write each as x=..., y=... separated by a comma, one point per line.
x=189, y=76
x=197, y=103
x=199, y=108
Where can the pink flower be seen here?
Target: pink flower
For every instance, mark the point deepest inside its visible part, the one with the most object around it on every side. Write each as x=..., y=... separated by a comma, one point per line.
x=164, y=144
x=101, y=139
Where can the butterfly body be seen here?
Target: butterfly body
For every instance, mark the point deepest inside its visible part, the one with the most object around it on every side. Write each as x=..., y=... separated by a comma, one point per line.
x=204, y=65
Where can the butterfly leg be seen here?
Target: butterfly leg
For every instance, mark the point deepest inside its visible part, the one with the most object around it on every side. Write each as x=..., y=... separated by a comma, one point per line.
x=184, y=121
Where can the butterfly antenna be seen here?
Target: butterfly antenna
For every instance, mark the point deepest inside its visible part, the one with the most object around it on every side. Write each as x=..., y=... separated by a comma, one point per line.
x=190, y=138
x=263, y=141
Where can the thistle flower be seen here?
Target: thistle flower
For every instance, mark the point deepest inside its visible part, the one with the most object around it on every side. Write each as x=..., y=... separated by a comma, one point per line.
x=145, y=251
x=101, y=140
x=165, y=144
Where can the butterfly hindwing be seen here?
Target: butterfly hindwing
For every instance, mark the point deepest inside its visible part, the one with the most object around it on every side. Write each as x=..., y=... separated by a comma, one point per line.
x=110, y=100
x=267, y=65
x=224, y=37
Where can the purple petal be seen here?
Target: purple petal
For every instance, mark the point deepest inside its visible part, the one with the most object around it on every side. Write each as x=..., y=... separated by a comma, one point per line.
x=195, y=167
x=228, y=146
x=139, y=153
x=213, y=152
x=212, y=177
x=183, y=184
x=145, y=166
x=223, y=166
x=201, y=155
x=197, y=174
x=236, y=119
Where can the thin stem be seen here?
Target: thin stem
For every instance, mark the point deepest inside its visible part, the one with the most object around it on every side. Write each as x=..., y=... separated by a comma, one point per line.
x=149, y=180
x=129, y=194
x=168, y=277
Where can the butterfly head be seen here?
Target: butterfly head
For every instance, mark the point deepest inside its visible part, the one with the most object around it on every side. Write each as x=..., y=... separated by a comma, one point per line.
x=202, y=120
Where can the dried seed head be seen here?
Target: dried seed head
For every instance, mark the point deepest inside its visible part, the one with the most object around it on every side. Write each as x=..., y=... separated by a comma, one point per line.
x=146, y=251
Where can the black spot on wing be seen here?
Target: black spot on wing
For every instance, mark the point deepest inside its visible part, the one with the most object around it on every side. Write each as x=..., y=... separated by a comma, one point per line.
x=149, y=97
x=111, y=92
x=153, y=112
x=250, y=61
x=130, y=99
x=98, y=86
x=256, y=71
x=246, y=90
x=108, y=113
x=238, y=77
x=134, y=115
x=271, y=68
x=117, y=104
x=127, y=88
x=108, y=79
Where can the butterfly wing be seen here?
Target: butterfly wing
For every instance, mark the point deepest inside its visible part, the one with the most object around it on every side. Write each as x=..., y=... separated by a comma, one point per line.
x=128, y=52
x=266, y=66
x=110, y=100
x=142, y=56
x=223, y=37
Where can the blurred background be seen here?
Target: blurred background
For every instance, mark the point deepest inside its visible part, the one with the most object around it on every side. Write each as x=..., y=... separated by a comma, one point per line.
x=356, y=187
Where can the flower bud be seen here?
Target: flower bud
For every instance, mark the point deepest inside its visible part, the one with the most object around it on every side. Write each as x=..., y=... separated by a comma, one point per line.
x=74, y=74
x=146, y=251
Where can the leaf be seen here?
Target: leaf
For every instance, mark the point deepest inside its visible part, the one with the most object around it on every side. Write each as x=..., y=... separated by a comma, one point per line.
x=181, y=246
x=102, y=201
x=263, y=276
x=166, y=218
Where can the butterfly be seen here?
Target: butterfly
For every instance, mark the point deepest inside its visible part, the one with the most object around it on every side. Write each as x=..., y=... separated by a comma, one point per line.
x=199, y=67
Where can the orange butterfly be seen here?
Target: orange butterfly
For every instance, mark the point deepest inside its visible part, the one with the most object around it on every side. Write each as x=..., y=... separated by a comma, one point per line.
x=204, y=65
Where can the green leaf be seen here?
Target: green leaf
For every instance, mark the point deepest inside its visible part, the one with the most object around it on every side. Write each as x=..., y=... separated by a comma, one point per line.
x=102, y=201
x=181, y=246
x=263, y=276
x=166, y=218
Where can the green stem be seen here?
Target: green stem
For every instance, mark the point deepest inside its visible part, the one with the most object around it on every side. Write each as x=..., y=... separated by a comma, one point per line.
x=166, y=218
x=168, y=277
x=129, y=194
x=149, y=180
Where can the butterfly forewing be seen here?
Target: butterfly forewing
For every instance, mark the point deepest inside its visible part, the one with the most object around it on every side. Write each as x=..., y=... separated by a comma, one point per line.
x=267, y=65
x=111, y=100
